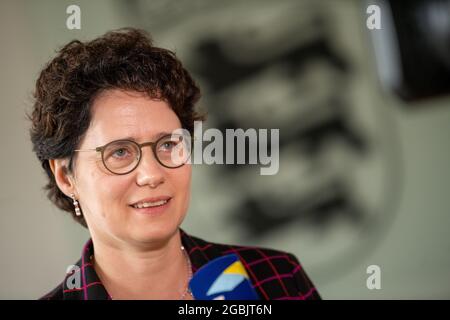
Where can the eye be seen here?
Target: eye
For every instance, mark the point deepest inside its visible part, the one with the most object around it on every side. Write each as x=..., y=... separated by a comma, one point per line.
x=120, y=153
x=168, y=145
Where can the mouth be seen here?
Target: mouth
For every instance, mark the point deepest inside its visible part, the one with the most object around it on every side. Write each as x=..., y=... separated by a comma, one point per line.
x=152, y=205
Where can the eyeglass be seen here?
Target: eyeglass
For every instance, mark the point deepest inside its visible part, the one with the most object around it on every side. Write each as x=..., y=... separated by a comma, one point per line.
x=123, y=156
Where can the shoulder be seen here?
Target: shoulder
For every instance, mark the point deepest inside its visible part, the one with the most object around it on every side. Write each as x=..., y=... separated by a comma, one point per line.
x=275, y=274
x=55, y=294
x=61, y=292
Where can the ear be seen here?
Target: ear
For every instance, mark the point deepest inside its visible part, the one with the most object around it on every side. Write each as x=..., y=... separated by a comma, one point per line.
x=63, y=178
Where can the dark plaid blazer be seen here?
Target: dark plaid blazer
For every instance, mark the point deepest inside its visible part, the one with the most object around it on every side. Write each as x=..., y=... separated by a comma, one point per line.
x=275, y=275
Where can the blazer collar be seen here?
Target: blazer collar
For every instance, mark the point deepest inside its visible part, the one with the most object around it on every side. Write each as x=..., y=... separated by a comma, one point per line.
x=83, y=283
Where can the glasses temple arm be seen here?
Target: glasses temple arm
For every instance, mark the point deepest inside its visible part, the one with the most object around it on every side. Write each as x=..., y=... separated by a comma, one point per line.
x=84, y=150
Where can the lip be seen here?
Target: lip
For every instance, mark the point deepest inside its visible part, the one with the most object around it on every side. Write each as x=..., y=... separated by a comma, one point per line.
x=152, y=210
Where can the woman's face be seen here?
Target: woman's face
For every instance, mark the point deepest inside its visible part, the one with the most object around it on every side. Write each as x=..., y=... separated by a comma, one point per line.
x=107, y=199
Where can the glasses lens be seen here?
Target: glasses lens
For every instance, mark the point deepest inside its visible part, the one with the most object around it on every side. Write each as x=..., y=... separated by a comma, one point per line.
x=173, y=151
x=121, y=156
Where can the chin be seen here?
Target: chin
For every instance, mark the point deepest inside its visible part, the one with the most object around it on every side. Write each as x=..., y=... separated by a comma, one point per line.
x=148, y=233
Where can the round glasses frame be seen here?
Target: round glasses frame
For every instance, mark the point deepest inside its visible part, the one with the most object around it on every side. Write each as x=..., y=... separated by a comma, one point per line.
x=139, y=146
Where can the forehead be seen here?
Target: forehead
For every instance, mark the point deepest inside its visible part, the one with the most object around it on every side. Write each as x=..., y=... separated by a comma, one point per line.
x=120, y=114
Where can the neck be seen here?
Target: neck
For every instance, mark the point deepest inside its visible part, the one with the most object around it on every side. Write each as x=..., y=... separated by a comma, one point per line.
x=142, y=272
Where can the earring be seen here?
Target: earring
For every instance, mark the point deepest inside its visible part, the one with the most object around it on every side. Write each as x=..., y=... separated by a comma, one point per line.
x=77, y=207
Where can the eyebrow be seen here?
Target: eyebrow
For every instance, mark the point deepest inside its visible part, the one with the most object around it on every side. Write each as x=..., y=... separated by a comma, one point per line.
x=155, y=137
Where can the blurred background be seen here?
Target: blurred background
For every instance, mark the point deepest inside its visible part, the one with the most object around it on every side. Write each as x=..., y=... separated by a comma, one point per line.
x=364, y=119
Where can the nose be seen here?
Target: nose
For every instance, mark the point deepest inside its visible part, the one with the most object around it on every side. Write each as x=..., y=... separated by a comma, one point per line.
x=149, y=171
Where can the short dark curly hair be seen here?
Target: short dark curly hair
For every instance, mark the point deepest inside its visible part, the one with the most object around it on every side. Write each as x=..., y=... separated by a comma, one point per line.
x=123, y=59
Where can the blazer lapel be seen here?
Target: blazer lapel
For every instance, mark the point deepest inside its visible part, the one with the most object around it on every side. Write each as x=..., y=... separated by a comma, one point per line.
x=200, y=251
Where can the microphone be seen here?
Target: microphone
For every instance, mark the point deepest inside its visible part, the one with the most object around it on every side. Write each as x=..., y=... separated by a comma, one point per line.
x=223, y=278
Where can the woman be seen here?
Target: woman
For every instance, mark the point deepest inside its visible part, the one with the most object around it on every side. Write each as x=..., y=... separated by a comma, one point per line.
x=103, y=128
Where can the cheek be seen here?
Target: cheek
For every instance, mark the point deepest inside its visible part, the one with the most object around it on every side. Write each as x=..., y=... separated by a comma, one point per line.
x=112, y=189
x=101, y=192
x=182, y=182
